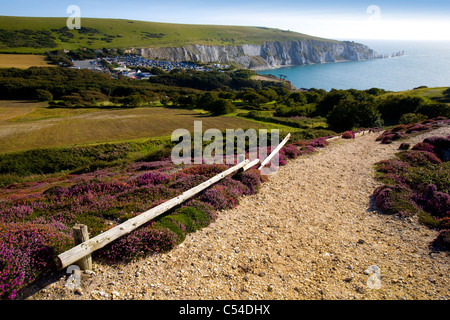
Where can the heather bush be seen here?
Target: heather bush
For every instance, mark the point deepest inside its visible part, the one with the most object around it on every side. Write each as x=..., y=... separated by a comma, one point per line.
x=26, y=250
x=423, y=146
x=348, y=135
x=319, y=142
x=394, y=200
x=434, y=202
x=139, y=243
x=208, y=171
x=439, y=175
x=184, y=182
x=443, y=240
x=289, y=151
x=419, y=158
x=441, y=147
x=282, y=160
x=416, y=128
x=151, y=178
x=218, y=197
x=404, y=146
x=393, y=166
x=252, y=179
x=417, y=183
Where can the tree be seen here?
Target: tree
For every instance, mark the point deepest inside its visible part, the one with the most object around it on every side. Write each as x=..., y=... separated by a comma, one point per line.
x=43, y=95
x=435, y=109
x=299, y=97
x=222, y=106
x=353, y=114
x=132, y=101
x=394, y=106
x=332, y=99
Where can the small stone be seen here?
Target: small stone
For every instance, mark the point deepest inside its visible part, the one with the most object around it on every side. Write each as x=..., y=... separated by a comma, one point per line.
x=360, y=289
x=270, y=288
x=360, y=241
x=348, y=279
x=79, y=291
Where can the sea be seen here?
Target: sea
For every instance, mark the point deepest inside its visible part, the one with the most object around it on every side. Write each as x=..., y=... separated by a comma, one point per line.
x=424, y=63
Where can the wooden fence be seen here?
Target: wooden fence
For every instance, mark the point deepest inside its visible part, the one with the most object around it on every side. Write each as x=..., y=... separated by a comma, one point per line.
x=80, y=254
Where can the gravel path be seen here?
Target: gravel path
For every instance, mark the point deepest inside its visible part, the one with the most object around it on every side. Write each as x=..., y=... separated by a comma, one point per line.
x=310, y=233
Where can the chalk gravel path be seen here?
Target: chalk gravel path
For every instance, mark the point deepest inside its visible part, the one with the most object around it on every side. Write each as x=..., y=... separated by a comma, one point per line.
x=310, y=233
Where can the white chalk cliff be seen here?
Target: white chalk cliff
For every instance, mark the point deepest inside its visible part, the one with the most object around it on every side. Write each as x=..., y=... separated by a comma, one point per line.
x=268, y=55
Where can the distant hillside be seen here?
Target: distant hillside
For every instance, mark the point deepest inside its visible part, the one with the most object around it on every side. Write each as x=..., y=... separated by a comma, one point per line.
x=36, y=35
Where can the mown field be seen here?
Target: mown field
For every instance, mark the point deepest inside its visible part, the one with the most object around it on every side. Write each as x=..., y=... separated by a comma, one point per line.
x=22, y=61
x=28, y=125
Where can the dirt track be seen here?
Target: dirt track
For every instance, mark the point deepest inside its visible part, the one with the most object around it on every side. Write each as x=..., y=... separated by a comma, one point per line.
x=310, y=233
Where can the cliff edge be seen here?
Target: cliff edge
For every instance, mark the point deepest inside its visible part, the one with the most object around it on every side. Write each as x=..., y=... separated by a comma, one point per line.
x=271, y=54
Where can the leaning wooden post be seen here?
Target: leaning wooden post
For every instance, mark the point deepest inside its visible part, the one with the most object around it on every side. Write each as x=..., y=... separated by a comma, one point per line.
x=87, y=247
x=274, y=152
x=80, y=234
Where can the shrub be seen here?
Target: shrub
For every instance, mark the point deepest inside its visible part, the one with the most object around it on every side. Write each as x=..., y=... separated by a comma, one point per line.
x=290, y=151
x=419, y=158
x=26, y=250
x=410, y=118
x=386, y=140
x=203, y=207
x=404, y=146
x=216, y=197
x=138, y=244
x=319, y=142
x=252, y=179
x=417, y=183
x=152, y=178
x=43, y=95
x=205, y=170
x=348, y=135
x=434, y=202
x=394, y=200
x=443, y=240
x=441, y=147
x=423, y=146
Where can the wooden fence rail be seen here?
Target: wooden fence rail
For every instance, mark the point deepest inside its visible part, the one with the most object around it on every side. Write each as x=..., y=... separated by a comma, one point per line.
x=84, y=249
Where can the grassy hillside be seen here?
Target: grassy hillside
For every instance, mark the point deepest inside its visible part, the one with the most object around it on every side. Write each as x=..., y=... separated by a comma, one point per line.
x=36, y=35
x=26, y=125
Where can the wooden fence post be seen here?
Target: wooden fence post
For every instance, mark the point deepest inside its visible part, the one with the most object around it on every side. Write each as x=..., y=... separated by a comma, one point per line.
x=80, y=234
x=87, y=247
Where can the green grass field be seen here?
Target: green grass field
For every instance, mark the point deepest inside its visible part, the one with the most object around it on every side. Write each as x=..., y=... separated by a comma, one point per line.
x=435, y=93
x=115, y=33
x=28, y=125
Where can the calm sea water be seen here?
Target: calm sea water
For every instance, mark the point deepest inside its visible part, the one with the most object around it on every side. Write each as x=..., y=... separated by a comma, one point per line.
x=425, y=63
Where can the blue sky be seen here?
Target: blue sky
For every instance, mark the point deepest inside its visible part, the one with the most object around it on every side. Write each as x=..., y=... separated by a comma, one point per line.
x=348, y=19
